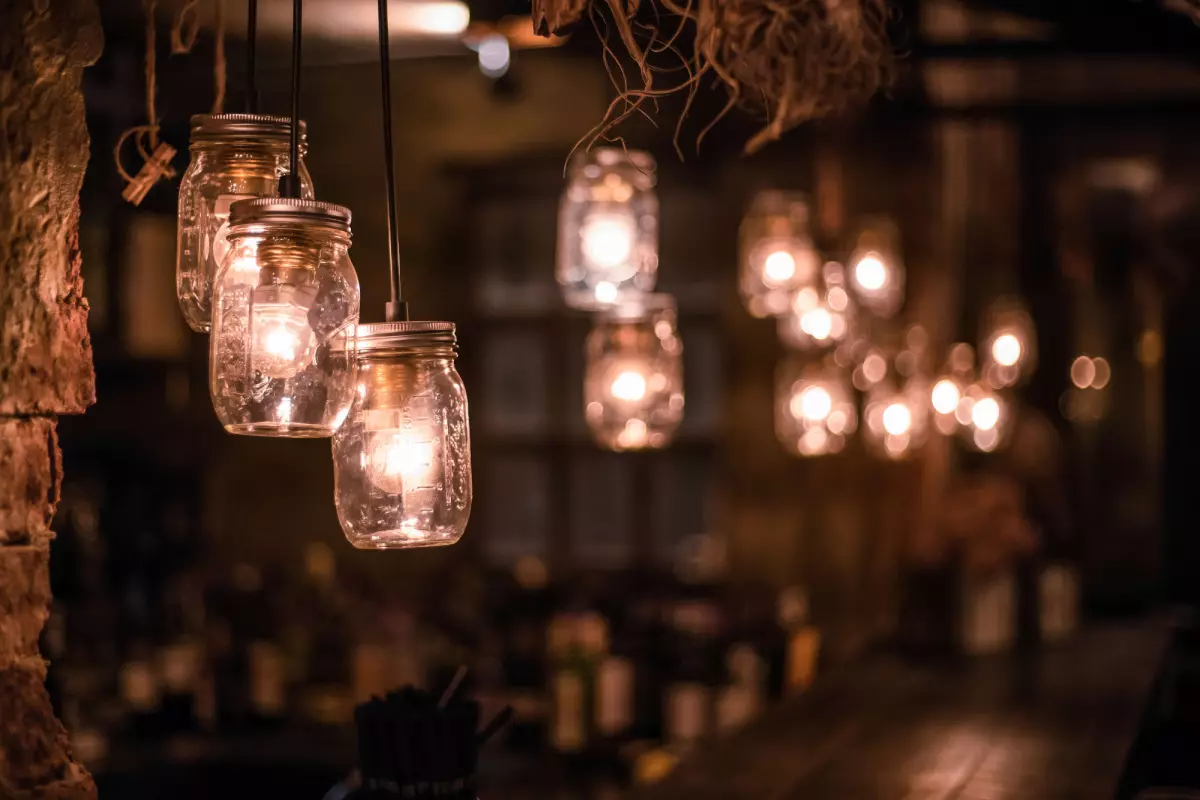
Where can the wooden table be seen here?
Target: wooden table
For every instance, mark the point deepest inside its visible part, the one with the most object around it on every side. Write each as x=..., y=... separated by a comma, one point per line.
x=1055, y=724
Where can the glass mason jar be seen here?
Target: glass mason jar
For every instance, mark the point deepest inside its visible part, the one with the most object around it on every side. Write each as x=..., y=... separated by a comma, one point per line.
x=233, y=157
x=814, y=321
x=814, y=408
x=896, y=419
x=633, y=388
x=402, y=459
x=1009, y=347
x=876, y=267
x=285, y=303
x=608, y=228
x=777, y=255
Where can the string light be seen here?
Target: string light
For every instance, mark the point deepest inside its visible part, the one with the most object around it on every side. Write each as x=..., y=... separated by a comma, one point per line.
x=608, y=228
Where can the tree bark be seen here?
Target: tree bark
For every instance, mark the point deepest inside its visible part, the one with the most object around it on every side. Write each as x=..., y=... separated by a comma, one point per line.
x=45, y=360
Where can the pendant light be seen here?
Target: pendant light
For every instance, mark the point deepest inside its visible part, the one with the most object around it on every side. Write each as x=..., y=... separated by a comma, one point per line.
x=1009, y=343
x=402, y=458
x=633, y=387
x=876, y=268
x=608, y=228
x=814, y=408
x=818, y=320
x=233, y=157
x=777, y=256
x=895, y=419
x=285, y=303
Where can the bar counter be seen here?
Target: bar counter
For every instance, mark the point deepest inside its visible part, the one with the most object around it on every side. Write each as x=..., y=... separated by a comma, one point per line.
x=1057, y=723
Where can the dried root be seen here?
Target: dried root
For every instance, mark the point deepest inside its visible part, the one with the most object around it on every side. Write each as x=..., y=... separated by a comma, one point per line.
x=789, y=60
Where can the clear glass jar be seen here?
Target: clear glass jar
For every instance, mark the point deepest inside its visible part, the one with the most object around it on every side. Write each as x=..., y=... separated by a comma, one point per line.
x=896, y=419
x=233, y=157
x=876, y=267
x=1009, y=347
x=814, y=408
x=777, y=255
x=608, y=228
x=816, y=320
x=402, y=459
x=285, y=303
x=633, y=389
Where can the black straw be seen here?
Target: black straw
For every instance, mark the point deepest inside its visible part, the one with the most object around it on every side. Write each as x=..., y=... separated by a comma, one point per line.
x=397, y=309
x=289, y=184
x=252, y=57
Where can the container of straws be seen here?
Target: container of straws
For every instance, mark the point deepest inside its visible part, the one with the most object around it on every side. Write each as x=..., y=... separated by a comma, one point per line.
x=411, y=745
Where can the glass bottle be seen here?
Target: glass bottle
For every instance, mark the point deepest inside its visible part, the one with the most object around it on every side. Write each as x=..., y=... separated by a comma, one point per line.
x=402, y=459
x=284, y=308
x=633, y=389
x=608, y=228
x=233, y=157
x=778, y=258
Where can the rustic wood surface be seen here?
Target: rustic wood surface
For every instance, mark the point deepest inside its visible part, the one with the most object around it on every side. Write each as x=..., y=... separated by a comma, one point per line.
x=1057, y=724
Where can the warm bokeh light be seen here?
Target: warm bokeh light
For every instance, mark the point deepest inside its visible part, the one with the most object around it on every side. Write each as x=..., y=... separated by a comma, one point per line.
x=400, y=460
x=870, y=273
x=985, y=413
x=779, y=267
x=817, y=323
x=629, y=385
x=815, y=409
x=1083, y=372
x=607, y=239
x=874, y=368
x=432, y=17
x=1103, y=373
x=1006, y=349
x=897, y=419
x=945, y=396
x=815, y=404
x=494, y=55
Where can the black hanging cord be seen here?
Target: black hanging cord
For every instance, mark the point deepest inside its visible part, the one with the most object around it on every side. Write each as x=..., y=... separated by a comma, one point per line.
x=252, y=57
x=397, y=309
x=289, y=184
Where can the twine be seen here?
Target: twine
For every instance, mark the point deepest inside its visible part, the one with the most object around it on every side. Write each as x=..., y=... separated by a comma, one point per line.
x=186, y=28
x=145, y=136
x=219, y=60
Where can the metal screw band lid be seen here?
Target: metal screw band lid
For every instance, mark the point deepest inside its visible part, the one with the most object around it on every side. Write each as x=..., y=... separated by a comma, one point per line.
x=404, y=335
x=289, y=211
x=235, y=125
x=615, y=157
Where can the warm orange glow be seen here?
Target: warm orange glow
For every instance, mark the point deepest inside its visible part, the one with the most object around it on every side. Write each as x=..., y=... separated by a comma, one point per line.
x=1103, y=373
x=945, y=396
x=1006, y=349
x=897, y=419
x=985, y=414
x=629, y=386
x=779, y=267
x=870, y=273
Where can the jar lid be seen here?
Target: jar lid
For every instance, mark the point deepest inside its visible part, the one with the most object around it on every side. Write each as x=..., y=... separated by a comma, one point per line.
x=289, y=211
x=615, y=157
x=234, y=125
x=390, y=335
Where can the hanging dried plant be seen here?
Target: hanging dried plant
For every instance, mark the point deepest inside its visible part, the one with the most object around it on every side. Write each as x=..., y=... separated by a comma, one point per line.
x=789, y=60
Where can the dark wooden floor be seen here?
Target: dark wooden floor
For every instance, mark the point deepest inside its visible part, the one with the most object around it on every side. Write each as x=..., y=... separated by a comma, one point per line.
x=1057, y=724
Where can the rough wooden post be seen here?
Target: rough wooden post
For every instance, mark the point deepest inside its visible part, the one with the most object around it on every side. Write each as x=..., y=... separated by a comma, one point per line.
x=45, y=359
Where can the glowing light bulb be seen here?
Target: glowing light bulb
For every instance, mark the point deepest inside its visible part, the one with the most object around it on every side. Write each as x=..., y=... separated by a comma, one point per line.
x=629, y=386
x=494, y=55
x=401, y=461
x=870, y=273
x=897, y=419
x=607, y=240
x=874, y=368
x=945, y=396
x=779, y=267
x=1006, y=350
x=606, y=292
x=814, y=404
x=817, y=323
x=282, y=342
x=985, y=414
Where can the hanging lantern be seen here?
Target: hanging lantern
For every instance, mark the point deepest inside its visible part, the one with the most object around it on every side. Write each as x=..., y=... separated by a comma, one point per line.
x=1009, y=343
x=633, y=390
x=986, y=418
x=950, y=388
x=402, y=458
x=895, y=420
x=233, y=157
x=284, y=305
x=608, y=228
x=814, y=409
x=777, y=254
x=816, y=321
x=876, y=267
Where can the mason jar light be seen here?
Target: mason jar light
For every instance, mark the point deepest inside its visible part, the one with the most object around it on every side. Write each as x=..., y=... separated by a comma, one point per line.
x=608, y=228
x=777, y=255
x=285, y=303
x=876, y=267
x=814, y=408
x=233, y=157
